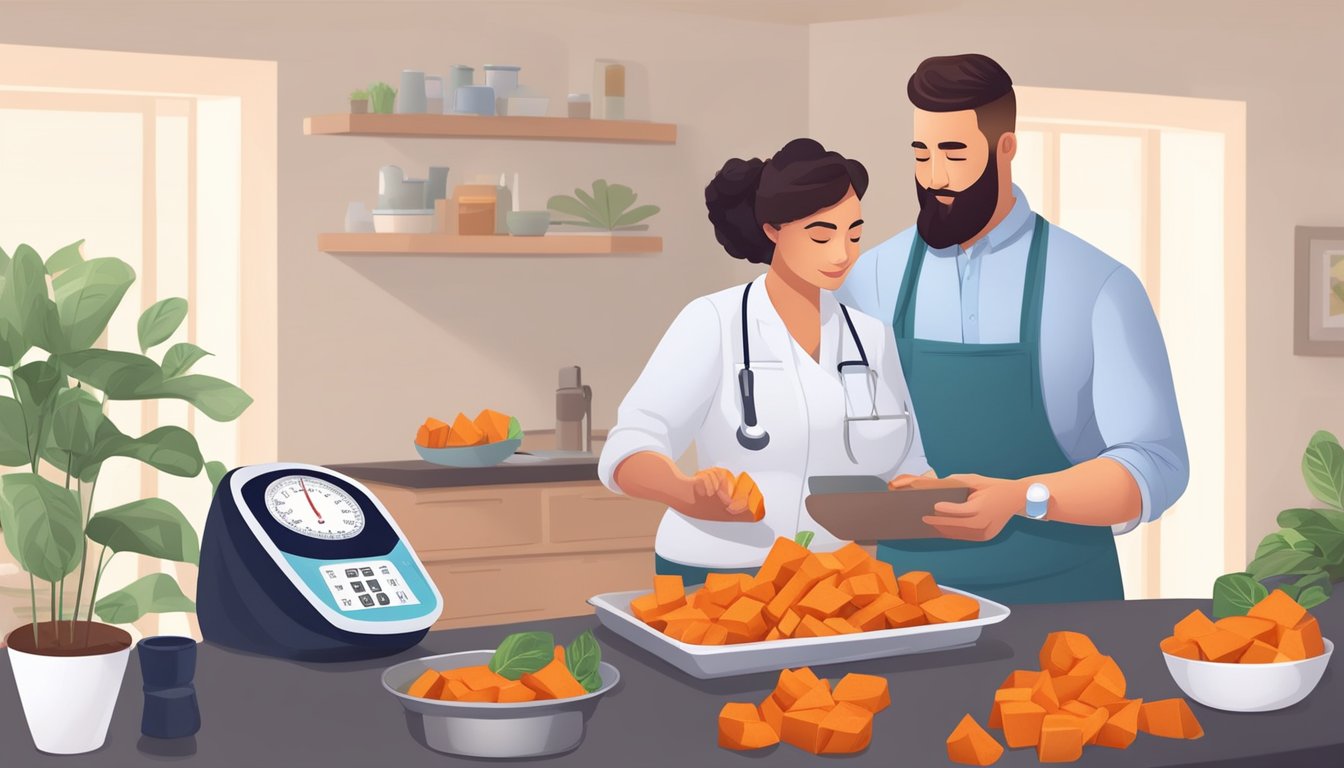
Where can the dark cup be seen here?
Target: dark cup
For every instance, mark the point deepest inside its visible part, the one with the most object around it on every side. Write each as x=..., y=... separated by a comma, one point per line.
x=167, y=661
x=171, y=713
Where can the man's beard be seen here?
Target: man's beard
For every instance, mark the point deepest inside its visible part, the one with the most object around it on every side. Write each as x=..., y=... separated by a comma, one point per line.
x=941, y=224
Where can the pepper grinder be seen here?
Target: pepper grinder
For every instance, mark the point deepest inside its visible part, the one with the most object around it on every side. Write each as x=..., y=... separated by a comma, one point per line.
x=167, y=667
x=573, y=412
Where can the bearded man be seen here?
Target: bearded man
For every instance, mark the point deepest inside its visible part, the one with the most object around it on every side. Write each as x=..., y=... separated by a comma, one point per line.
x=1035, y=364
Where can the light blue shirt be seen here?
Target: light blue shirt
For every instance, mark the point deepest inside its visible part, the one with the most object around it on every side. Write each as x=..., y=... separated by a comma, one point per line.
x=1105, y=375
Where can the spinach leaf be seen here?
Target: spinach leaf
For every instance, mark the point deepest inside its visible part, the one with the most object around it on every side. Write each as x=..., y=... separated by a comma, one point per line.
x=523, y=653
x=1324, y=528
x=1323, y=468
x=583, y=657
x=1235, y=593
x=1284, y=562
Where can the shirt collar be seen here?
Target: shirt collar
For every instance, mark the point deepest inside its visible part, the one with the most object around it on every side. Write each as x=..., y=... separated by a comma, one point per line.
x=1017, y=219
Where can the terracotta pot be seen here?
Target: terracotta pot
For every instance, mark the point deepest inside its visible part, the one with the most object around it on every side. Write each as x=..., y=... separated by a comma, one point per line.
x=359, y=106
x=68, y=691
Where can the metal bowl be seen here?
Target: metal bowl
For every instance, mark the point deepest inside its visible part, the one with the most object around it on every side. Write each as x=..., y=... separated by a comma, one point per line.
x=487, y=455
x=476, y=729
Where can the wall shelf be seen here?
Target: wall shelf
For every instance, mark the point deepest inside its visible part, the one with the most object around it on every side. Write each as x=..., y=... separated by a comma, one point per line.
x=476, y=127
x=434, y=244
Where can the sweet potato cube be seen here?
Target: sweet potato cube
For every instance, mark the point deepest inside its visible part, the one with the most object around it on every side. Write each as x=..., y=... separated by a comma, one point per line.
x=1176, y=646
x=949, y=607
x=1250, y=627
x=456, y=690
x=808, y=676
x=788, y=624
x=1070, y=687
x=862, y=589
x=464, y=433
x=854, y=560
x=669, y=591
x=1103, y=667
x=482, y=679
x=745, y=490
x=1078, y=709
x=1221, y=645
x=906, y=615
x=1062, y=651
x=817, y=697
x=803, y=730
x=1021, y=723
x=681, y=619
x=438, y=433
x=1279, y=608
x=1092, y=725
x=515, y=692
x=797, y=586
x=1121, y=727
x=489, y=695
x=1194, y=625
x=554, y=681
x=823, y=601
x=646, y=609
x=1262, y=653
x=873, y=615
x=1005, y=695
x=1043, y=693
x=1020, y=678
x=715, y=635
x=813, y=627
x=1099, y=693
x=427, y=686
x=746, y=617
x=867, y=691
x=1302, y=641
x=722, y=588
x=741, y=727
x=792, y=685
x=422, y=436
x=760, y=589
x=848, y=728
x=772, y=713
x=695, y=633
x=886, y=576
x=493, y=424
x=917, y=586
x=1061, y=739
x=1170, y=718
x=782, y=562
x=969, y=744
x=841, y=626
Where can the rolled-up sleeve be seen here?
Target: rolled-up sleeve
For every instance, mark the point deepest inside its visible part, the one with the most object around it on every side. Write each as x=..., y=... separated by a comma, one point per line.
x=1134, y=398
x=669, y=401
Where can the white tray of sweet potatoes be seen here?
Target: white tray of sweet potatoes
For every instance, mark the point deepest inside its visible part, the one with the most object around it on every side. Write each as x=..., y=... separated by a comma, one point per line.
x=800, y=609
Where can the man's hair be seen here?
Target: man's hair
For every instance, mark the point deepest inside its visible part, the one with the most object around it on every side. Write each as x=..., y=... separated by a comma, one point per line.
x=967, y=81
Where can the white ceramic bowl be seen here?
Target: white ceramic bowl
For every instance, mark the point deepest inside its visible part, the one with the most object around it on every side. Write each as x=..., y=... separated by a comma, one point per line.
x=1248, y=687
x=474, y=729
x=418, y=222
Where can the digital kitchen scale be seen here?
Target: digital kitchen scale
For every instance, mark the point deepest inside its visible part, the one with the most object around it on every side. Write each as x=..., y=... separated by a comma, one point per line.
x=304, y=563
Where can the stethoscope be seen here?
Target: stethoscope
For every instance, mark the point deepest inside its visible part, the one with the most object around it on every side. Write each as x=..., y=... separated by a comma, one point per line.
x=752, y=436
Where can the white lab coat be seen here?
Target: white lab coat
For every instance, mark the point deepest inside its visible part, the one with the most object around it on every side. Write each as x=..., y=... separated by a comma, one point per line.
x=688, y=393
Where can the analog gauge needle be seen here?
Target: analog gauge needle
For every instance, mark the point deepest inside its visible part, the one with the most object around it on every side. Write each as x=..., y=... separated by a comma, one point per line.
x=320, y=521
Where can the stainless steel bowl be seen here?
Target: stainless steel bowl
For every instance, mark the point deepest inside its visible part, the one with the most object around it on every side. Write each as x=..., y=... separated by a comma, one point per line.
x=475, y=729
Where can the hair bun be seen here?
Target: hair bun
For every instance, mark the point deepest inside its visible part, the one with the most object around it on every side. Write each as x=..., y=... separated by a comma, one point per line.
x=730, y=198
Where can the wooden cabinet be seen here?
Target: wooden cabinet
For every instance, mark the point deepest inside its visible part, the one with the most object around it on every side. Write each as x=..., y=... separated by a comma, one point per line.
x=512, y=553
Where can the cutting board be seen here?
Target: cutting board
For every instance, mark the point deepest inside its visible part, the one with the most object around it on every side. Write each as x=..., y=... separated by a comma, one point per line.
x=860, y=508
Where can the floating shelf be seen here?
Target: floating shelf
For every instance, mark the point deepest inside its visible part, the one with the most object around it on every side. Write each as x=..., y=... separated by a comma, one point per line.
x=476, y=127
x=429, y=244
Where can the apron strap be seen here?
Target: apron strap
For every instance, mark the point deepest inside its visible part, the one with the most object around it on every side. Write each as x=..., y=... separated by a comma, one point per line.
x=1033, y=290
x=903, y=321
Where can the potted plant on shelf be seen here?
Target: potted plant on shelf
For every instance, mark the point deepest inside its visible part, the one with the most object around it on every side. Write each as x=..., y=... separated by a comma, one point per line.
x=382, y=97
x=359, y=102
x=608, y=207
x=68, y=669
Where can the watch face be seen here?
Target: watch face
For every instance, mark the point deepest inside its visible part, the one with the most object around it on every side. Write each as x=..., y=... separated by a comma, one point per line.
x=1038, y=493
x=314, y=507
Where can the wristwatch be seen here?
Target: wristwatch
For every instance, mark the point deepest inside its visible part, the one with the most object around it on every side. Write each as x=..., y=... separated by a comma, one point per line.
x=1038, y=498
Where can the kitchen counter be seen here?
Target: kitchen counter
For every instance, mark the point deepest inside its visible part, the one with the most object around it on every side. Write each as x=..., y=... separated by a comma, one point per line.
x=265, y=712
x=519, y=469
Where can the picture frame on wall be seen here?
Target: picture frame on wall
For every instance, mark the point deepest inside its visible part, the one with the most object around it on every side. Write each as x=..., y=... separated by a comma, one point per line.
x=1319, y=320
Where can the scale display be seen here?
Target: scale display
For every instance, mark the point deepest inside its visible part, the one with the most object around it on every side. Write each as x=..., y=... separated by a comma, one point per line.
x=314, y=508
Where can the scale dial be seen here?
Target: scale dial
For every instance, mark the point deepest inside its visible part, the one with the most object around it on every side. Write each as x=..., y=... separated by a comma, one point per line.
x=314, y=507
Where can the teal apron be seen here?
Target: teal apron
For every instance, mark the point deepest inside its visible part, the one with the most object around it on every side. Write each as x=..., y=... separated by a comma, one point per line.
x=981, y=411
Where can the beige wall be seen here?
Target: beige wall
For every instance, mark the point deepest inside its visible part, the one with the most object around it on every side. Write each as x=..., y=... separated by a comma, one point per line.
x=1280, y=58
x=371, y=345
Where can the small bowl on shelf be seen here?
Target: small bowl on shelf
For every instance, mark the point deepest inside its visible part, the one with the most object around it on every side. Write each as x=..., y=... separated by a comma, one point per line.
x=403, y=222
x=528, y=223
x=481, y=729
x=470, y=456
x=1248, y=687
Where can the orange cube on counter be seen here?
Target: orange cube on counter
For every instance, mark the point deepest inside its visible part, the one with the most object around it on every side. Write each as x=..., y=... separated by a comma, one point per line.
x=1170, y=718
x=969, y=744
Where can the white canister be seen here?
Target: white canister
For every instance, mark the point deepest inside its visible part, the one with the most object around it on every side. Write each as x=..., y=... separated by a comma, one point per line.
x=504, y=79
x=411, y=95
x=434, y=94
x=459, y=75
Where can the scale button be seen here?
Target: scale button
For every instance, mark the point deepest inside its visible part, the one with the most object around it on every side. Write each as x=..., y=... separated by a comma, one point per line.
x=366, y=571
x=383, y=599
x=358, y=587
x=351, y=573
x=366, y=600
x=383, y=570
x=374, y=585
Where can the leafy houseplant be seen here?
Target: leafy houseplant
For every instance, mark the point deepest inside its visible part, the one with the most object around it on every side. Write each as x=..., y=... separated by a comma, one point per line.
x=1305, y=557
x=382, y=97
x=54, y=425
x=608, y=207
x=359, y=102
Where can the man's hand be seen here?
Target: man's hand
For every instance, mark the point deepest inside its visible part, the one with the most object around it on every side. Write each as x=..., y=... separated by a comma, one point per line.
x=708, y=495
x=992, y=503
x=926, y=480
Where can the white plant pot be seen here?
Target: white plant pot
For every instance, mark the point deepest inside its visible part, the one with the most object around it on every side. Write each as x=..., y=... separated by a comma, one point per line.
x=68, y=700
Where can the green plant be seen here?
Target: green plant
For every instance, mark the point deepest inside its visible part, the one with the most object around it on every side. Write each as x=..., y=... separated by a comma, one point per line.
x=608, y=207
x=381, y=98
x=359, y=95
x=1305, y=557
x=54, y=423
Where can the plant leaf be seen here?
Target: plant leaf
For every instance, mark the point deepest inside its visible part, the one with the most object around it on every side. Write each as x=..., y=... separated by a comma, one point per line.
x=75, y=420
x=37, y=382
x=1323, y=468
x=1322, y=437
x=119, y=375
x=804, y=538
x=179, y=358
x=87, y=294
x=155, y=593
x=168, y=449
x=636, y=215
x=14, y=445
x=152, y=527
x=523, y=653
x=1284, y=562
x=214, y=397
x=583, y=657
x=601, y=205
x=515, y=428
x=1324, y=528
x=572, y=207
x=1235, y=593
x=619, y=199
x=215, y=470
x=161, y=321
x=43, y=527
x=23, y=302
x=1313, y=596
x=65, y=258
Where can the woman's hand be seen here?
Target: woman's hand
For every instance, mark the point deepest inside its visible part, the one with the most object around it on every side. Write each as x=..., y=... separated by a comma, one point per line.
x=708, y=495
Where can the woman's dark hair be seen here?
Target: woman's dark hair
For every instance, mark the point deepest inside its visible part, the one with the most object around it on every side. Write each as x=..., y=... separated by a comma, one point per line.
x=801, y=179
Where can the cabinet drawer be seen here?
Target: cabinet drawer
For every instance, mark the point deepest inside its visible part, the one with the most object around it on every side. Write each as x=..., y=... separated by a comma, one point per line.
x=598, y=515
x=459, y=521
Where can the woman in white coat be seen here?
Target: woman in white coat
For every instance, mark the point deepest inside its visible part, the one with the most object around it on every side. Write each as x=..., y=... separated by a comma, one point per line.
x=829, y=396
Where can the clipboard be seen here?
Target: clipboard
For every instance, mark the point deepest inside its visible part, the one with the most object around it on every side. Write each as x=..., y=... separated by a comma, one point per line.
x=861, y=508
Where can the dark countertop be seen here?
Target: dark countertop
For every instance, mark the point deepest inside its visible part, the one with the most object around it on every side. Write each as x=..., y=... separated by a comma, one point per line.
x=265, y=712
x=517, y=470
